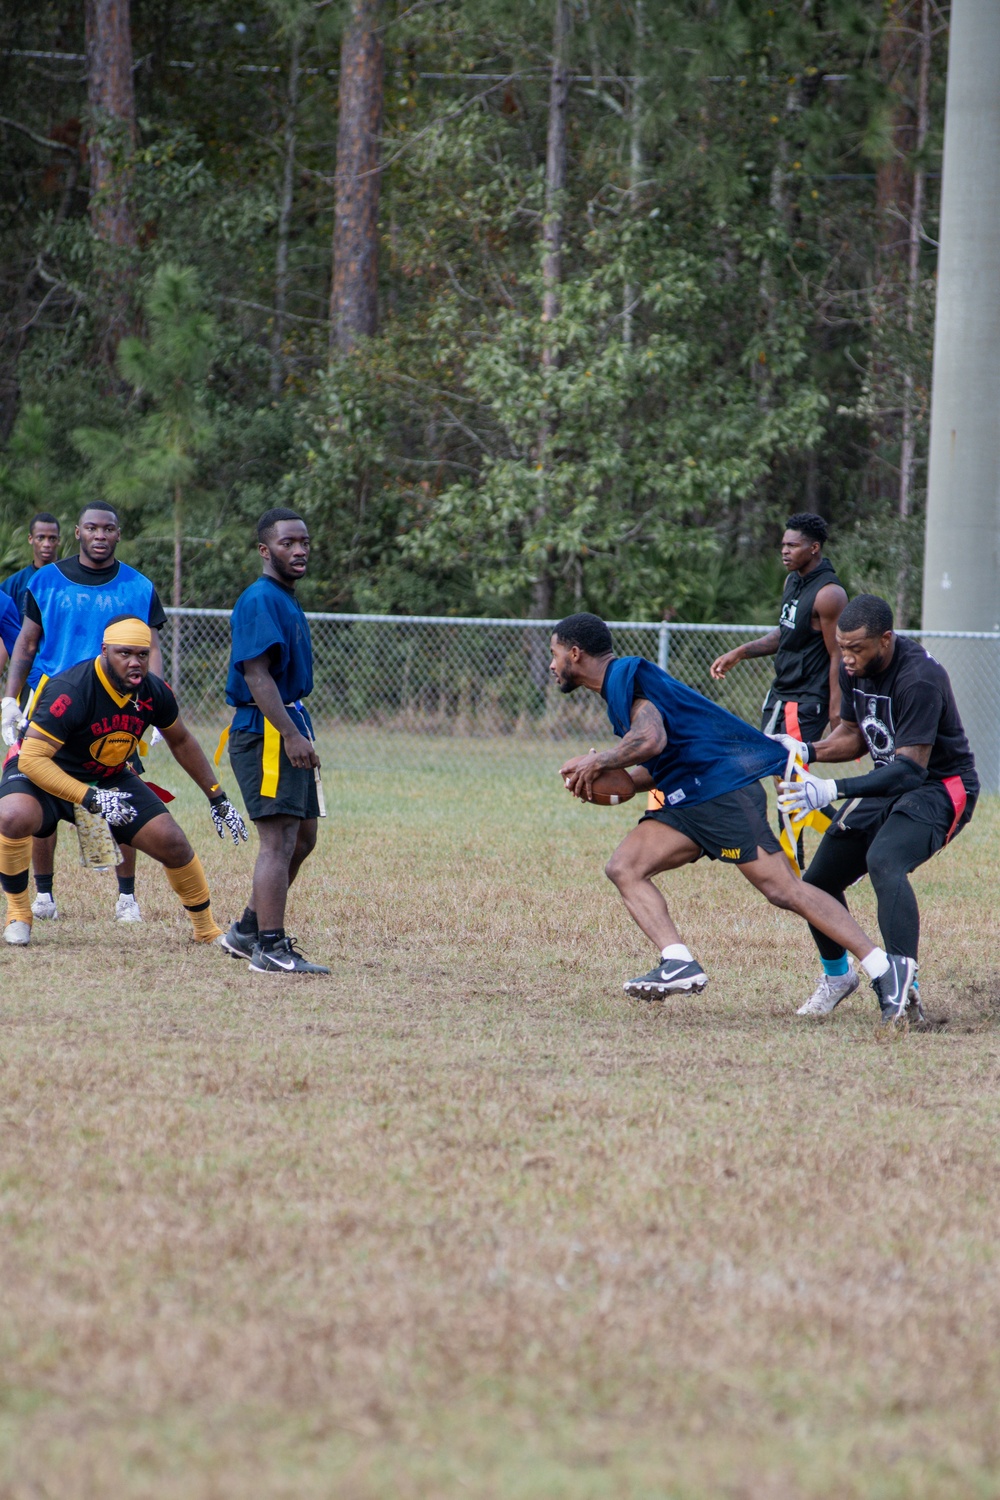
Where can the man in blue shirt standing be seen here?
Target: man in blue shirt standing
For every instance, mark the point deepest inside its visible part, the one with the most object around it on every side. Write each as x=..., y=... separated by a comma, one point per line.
x=43, y=538
x=271, y=746
x=708, y=765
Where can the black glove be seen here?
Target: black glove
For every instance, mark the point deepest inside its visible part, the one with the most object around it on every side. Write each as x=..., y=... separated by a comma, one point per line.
x=224, y=815
x=115, y=806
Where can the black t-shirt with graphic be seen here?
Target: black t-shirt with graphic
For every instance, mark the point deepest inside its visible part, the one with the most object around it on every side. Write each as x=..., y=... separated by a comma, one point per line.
x=911, y=703
x=96, y=727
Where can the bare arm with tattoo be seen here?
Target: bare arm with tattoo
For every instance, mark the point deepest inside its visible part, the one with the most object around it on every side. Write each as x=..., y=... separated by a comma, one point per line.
x=645, y=739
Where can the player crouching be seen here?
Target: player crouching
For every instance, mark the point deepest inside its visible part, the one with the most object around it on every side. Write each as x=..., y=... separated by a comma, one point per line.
x=82, y=731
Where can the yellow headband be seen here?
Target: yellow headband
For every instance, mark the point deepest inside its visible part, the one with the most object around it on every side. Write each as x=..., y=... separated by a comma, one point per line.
x=130, y=632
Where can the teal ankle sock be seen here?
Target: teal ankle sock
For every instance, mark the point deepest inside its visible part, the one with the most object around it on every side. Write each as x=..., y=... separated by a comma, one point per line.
x=836, y=966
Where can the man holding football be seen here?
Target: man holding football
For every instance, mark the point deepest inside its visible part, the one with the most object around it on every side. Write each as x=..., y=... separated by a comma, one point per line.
x=708, y=765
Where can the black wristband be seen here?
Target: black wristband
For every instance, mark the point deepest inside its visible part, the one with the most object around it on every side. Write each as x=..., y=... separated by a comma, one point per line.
x=220, y=796
x=810, y=750
x=89, y=801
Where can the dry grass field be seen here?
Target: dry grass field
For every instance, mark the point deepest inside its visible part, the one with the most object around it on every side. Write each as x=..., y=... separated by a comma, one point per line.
x=461, y=1220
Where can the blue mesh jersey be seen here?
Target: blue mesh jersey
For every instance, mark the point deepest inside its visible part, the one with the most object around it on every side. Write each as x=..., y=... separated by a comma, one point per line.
x=10, y=622
x=73, y=604
x=17, y=585
x=268, y=617
x=709, y=751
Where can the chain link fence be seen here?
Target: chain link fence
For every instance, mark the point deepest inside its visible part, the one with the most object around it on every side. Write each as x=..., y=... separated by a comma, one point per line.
x=425, y=691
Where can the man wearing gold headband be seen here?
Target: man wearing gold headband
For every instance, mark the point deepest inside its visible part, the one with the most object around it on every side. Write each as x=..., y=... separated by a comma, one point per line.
x=81, y=733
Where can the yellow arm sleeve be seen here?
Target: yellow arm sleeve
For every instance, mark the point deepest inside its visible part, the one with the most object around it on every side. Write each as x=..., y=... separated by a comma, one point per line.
x=35, y=759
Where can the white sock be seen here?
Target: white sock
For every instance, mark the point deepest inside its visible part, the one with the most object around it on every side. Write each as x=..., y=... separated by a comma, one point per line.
x=876, y=964
x=678, y=951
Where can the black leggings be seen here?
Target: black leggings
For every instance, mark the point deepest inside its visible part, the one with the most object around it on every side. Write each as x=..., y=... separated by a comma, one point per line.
x=900, y=845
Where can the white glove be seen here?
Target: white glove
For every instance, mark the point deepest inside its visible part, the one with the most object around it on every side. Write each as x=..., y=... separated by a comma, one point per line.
x=805, y=794
x=155, y=738
x=791, y=745
x=11, y=718
x=115, y=806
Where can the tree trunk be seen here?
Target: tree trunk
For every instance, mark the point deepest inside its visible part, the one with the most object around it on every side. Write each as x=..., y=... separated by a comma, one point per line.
x=893, y=178
x=284, y=221
x=111, y=142
x=555, y=171
x=908, y=444
x=354, y=294
x=175, y=597
x=542, y=586
x=634, y=158
x=913, y=266
x=111, y=102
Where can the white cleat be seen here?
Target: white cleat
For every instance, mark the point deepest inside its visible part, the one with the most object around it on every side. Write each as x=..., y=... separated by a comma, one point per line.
x=18, y=934
x=828, y=994
x=44, y=907
x=127, y=909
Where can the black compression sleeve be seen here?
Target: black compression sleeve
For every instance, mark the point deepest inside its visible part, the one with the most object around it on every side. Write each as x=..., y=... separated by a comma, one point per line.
x=899, y=776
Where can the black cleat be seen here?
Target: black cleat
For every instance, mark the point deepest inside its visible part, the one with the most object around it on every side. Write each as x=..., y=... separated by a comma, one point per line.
x=672, y=976
x=894, y=989
x=239, y=944
x=282, y=958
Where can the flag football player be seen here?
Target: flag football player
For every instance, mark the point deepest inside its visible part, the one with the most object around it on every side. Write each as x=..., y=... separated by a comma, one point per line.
x=271, y=747
x=897, y=704
x=83, y=730
x=66, y=606
x=707, y=763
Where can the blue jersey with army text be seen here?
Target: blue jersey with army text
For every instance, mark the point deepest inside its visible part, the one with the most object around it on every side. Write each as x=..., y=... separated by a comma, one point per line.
x=709, y=751
x=268, y=620
x=73, y=605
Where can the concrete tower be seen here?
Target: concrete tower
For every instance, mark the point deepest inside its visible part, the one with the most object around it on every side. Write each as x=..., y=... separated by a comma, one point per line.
x=962, y=558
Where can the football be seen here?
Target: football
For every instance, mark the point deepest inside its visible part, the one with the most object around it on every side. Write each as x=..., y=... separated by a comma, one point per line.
x=612, y=787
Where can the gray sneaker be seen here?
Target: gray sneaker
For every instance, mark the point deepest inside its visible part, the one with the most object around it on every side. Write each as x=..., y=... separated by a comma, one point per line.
x=828, y=994
x=239, y=944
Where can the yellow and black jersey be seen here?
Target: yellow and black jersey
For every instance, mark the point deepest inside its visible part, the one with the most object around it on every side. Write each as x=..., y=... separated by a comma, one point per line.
x=97, y=728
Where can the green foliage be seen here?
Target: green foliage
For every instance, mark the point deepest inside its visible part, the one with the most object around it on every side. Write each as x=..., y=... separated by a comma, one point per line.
x=150, y=460
x=31, y=479
x=641, y=459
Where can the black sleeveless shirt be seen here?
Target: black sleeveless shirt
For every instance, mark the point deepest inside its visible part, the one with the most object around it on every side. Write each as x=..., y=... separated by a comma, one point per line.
x=802, y=662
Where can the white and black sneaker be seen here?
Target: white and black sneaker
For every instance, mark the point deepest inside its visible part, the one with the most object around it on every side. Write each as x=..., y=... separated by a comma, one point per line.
x=282, y=957
x=827, y=995
x=44, y=908
x=672, y=976
x=894, y=989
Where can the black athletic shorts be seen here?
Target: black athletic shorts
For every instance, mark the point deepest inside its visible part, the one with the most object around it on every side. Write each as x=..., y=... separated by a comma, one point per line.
x=803, y=721
x=731, y=828
x=295, y=791
x=57, y=809
x=930, y=804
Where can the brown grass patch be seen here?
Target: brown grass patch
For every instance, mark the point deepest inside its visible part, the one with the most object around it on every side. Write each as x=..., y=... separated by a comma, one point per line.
x=462, y=1220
